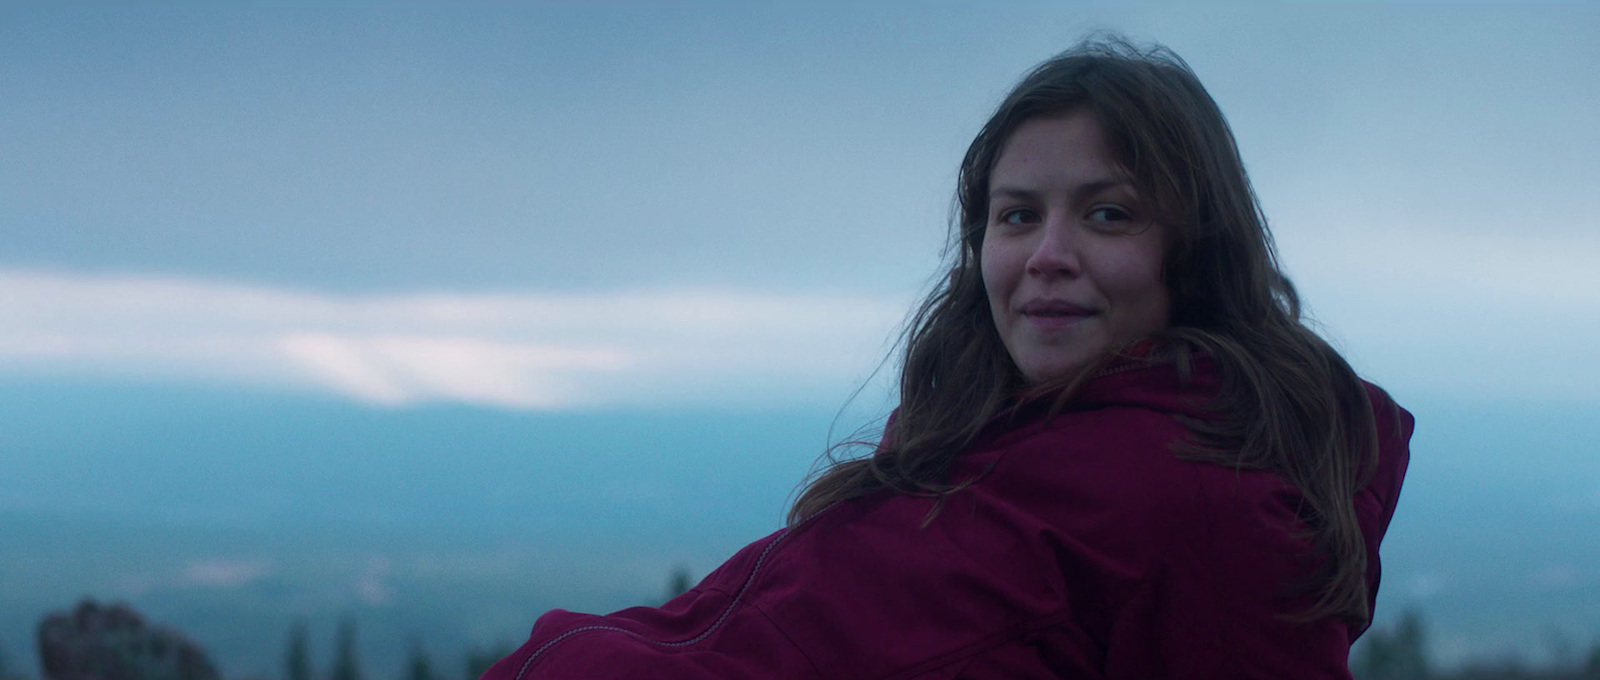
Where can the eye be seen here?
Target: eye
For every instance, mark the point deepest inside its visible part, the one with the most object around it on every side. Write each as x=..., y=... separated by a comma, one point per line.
x=1108, y=214
x=1018, y=216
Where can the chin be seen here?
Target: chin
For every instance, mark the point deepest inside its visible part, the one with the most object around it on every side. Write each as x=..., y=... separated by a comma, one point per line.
x=1041, y=373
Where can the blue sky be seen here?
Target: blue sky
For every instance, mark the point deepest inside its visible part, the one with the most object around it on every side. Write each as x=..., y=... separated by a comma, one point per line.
x=546, y=209
x=380, y=199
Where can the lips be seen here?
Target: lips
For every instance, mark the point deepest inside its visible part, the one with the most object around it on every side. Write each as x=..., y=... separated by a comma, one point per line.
x=1054, y=308
x=1054, y=313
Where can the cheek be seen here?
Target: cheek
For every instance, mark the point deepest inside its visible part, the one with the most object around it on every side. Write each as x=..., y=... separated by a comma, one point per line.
x=989, y=265
x=1002, y=263
x=1142, y=290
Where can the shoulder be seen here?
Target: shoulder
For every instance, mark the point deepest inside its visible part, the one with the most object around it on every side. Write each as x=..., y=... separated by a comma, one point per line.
x=1112, y=477
x=1168, y=560
x=1114, y=448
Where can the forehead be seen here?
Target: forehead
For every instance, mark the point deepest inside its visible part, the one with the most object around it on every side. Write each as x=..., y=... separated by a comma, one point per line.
x=1069, y=148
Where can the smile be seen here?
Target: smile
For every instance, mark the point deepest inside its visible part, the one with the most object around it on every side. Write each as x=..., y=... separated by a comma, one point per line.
x=1054, y=313
x=1055, y=319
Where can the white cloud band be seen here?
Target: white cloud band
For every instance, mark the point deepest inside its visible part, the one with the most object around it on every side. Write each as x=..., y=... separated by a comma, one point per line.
x=1444, y=313
x=537, y=350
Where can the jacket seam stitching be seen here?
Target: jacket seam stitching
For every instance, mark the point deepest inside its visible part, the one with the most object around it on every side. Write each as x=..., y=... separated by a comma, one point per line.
x=814, y=668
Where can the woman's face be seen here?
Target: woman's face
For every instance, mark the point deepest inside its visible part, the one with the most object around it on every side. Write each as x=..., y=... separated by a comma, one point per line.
x=1071, y=255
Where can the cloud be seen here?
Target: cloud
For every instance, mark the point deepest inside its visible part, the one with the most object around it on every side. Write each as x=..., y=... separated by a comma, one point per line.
x=1456, y=311
x=1547, y=272
x=388, y=369
x=533, y=350
x=1417, y=309
x=1556, y=576
x=372, y=583
x=1424, y=586
x=224, y=573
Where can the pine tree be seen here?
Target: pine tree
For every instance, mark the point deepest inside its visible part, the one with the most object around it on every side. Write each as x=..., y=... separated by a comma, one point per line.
x=1399, y=653
x=297, y=659
x=1412, y=646
x=346, y=664
x=678, y=582
x=420, y=667
x=479, y=660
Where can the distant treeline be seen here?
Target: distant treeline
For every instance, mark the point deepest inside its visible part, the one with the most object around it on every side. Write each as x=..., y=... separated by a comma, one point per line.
x=1400, y=652
x=115, y=643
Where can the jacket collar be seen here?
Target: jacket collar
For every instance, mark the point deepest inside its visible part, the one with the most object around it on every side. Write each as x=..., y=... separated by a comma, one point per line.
x=1137, y=376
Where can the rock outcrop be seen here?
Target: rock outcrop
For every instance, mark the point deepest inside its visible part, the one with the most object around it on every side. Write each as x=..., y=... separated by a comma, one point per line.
x=115, y=643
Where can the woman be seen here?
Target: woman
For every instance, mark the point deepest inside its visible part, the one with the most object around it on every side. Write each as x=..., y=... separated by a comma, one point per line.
x=1118, y=452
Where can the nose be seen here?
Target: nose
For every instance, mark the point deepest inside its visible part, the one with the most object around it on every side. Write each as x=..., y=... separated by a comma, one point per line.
x=1056, y=253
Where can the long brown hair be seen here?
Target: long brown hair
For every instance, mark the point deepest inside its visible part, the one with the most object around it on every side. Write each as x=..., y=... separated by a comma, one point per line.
x=1291, y=404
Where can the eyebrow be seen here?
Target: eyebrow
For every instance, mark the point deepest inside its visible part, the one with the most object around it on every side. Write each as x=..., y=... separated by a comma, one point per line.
x=1078, y=193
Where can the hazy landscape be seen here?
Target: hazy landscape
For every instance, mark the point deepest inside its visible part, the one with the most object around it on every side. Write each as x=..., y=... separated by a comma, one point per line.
x=454, y=527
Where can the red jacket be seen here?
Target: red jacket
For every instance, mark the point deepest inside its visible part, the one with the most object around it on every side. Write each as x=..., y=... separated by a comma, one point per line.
x=1087, y=550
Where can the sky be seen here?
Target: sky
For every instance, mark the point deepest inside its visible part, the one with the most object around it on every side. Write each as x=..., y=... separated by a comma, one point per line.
x=539, y=206
x=550, y=209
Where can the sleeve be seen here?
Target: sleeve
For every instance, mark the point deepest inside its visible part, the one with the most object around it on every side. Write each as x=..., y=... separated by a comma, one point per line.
x=709, y=632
